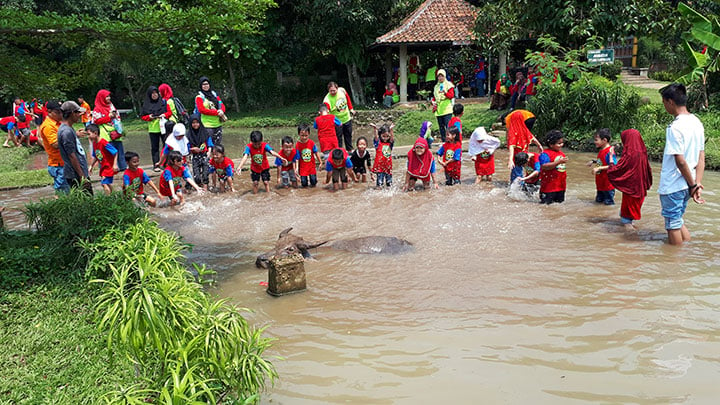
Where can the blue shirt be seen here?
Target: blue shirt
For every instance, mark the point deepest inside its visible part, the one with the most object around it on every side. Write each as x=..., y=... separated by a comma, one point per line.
x=167, y=174
x=456, y=156
x=145, y=179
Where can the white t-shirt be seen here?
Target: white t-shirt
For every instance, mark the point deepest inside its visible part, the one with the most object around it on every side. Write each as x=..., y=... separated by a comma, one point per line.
x=684, y=136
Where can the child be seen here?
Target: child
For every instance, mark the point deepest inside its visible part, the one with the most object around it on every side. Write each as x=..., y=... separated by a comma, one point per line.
x=307, y=157
x=221, y=170
x=360, y=159
x=421, y=166
x=451, y=154
x=178, y=142
x=256, y=150
x=632, y=175
x=458, y=110
x=481, y=148
x=104, y=153
x=135, y=178
x=7, y=124
x=384, y=141
x=327, y=126
x=171, y=178
x=426, y=133
x=553, y=178
x=287, y=171
x=530, y=165
x=201, y=146
x=605, y=159
x=336, y=167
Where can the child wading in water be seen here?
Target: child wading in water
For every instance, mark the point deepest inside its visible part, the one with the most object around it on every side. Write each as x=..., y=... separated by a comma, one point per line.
x=632, y=175
x=309, y=157
x=259, y=166
x=553, y=178
x=134, y=180
x=360, y=159
x=605, y=159
x=420, y=166
x=481, y=147
x=172, y=177
x=384, y=142
x=105, y=154
x=450, y=156
x=336, y=167
x=221, y=170
x=287, y=170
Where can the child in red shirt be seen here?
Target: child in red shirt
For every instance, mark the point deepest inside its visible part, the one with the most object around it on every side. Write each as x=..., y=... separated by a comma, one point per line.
x=256, y=150
x=450, y=156
x=134, y=178
x=172, y=177
x=287, y=169
x=384, y=142
x=104, y=153
x=455, y=121
x=327, y=126
x=553, y=178
x=221, y=170
x=308, y=157
x=605, y=159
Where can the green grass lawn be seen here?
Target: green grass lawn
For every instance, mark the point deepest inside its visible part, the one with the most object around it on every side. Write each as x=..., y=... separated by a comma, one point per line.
x=13, y=172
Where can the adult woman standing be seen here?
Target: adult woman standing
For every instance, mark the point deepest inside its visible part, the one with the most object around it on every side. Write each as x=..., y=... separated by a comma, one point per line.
x=443, y=95
x=106, y=117
x=153, y=109
x=339, y=103
x=211, y=109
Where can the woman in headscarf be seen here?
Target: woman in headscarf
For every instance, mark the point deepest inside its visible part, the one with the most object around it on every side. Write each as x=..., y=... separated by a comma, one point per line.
x=153, y=109
x=201, y=146
x=211, y=109
x=519, y=138
x=167, y=94
x=421, y=166
x=501, y=96
x=106, y=117
x=632, y=175
x=443, y=95
x=339, y=104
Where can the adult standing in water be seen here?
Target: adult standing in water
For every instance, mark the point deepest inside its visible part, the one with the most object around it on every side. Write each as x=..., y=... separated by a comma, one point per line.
x=211, y=109
x=683, y=163
x=153, y=109
x=339, y=103
x=443, y=95
x=106, y=116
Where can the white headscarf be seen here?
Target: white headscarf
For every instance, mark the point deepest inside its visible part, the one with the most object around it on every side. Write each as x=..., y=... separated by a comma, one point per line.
x=176, y=143
x=480, y=141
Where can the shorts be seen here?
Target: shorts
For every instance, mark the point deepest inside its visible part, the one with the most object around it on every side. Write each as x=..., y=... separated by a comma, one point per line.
x=605, y=197
x=384, y=179
x=59, y=183
x=288, y=177
x=673, y=208
x=359, y=169
x=264, y=175
x=339, y=175
x=107, y=180
x=553, y=197
x=23, y=132
x=312, y=180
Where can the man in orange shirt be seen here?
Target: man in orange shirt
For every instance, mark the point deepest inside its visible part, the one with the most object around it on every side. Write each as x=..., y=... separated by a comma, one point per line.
x=48, y=132
x=87, y=115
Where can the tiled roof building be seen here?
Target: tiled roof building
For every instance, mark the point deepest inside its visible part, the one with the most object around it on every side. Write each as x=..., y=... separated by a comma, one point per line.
x=435, y=22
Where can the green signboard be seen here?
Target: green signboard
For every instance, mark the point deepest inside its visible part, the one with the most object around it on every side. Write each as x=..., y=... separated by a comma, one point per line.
x=600, y=56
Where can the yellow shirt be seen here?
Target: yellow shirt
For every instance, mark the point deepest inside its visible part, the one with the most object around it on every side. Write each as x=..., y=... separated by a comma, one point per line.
x=48, y=131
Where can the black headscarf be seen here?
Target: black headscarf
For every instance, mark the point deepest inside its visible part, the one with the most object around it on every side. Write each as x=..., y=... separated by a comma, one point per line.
x=153, y=107
x=198, y=136
x=209, y=94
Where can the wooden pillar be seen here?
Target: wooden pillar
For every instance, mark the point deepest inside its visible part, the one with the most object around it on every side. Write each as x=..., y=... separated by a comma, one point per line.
x=634, y=52
x=503, y=63
x=403, y=73
x=388, y=66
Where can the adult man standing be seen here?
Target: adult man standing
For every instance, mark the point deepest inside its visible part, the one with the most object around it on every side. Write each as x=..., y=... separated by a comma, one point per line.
x=72, y=152
x=48, y=132
x=683, y=163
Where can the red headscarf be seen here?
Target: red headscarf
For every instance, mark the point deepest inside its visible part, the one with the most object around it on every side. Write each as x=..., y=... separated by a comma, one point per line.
x=632, y=174
x=165, y=91
x=419, y=166
x=101, y=105
x=518, y=134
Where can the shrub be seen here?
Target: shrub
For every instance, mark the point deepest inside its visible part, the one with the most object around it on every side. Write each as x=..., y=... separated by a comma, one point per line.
x=664, y=76
x=609, y=70
x=27, y=258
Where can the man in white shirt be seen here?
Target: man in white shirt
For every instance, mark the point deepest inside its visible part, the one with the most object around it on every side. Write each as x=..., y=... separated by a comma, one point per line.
x=683, y=163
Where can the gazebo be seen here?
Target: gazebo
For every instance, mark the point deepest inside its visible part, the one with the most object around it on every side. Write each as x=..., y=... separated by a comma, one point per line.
x=434, y=23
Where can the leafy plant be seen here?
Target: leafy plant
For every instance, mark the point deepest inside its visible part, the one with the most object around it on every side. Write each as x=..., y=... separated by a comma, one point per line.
x=705, y=30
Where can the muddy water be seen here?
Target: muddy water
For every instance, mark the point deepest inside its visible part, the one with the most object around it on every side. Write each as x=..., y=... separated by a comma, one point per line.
x=501, y=301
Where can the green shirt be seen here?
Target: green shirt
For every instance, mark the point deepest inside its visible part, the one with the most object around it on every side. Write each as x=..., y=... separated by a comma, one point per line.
x=444, y=104
x=430, y=74
x=339, y=105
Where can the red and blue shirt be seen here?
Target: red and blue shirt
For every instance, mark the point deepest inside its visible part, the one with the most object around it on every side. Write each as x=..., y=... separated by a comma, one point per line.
x=291, y=157
x=306, y=157
x=451, y=151
x=174, y=175
x=383, y=157
x=327, y=135
x=105, y=154
x=224, y=169
x=553, y=180
x=606, y=158
x=134, y=180
x=258, y=159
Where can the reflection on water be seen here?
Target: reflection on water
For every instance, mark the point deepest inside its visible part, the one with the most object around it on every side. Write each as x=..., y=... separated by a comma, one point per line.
x=501, y=301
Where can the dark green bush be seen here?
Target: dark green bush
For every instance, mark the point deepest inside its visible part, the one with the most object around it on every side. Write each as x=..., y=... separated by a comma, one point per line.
x=609, y=70
x=28, y=257
x=664, y=76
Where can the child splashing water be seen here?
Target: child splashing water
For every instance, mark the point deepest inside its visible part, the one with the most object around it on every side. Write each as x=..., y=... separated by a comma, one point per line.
x=221, y=171
x=421, y=166
x=256, y=151
x=451, y=155
x=384, y=142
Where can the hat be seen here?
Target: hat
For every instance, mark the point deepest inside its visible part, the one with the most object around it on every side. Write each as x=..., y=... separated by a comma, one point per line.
x=71, y=106
x=179, y=129
x=441, y=72
x=53, y=105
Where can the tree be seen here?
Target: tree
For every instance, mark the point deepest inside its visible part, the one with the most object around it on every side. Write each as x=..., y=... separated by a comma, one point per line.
x=705, y=29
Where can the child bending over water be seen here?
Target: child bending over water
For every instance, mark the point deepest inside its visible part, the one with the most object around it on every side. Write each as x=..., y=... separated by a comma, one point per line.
x=420, y=166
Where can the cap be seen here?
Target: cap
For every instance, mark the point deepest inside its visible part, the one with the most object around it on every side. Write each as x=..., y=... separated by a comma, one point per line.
x=53, y=105
x=71, y=106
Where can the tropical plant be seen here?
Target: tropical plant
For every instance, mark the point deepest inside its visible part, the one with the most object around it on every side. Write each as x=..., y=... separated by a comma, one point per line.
x=556, y=62
x=704, y=30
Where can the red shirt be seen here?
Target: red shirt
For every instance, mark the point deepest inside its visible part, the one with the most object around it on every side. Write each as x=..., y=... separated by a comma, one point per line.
x=177, y=176
x=340, y=165
x=383, y=158
x=327, y=136
x=106, y=159
x=26, y=123
x=452, y=168
x=452, y=123
x=258, y=159
x=306, y=164
x=221, y=167
x=289, y=157
x=556, y=179
x=602, y=183
x=135, y=178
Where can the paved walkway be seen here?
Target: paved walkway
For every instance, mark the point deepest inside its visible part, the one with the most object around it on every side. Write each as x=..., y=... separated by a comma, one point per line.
x=643, y=82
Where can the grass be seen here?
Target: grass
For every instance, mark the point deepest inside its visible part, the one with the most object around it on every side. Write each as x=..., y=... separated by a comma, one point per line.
x=25, y=178
x=475, y=115
x=652, y=94
x=50, y=349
